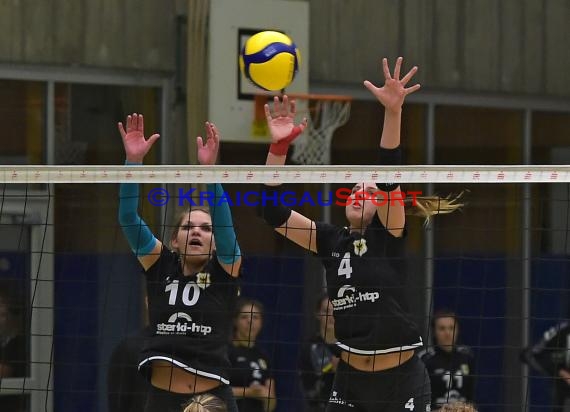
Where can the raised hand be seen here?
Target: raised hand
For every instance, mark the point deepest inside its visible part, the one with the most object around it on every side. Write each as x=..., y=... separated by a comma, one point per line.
x=136, y=145
x=281, y=121
x=208, y=152
x=394, y=91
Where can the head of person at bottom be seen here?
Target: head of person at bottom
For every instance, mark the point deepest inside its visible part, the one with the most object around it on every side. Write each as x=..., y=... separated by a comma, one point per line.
x=445, y=329
x=457, y=407
x=205, y=403
x=248, y=322
x=325, y=318
x=193, y=238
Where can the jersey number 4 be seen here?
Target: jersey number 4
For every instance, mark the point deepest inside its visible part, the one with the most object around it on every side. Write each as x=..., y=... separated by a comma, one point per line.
x=410, y=404
x=344, y=269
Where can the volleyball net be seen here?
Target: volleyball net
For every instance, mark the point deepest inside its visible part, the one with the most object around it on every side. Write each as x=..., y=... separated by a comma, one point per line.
x=72, y=291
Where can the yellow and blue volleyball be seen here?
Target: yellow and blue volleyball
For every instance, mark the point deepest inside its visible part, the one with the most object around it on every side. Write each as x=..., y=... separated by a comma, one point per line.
x=270, y=60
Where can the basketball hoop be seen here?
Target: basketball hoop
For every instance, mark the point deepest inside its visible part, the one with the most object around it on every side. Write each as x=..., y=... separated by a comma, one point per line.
x=325, y=114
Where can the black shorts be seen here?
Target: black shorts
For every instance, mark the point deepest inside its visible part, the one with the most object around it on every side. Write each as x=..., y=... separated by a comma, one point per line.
x=159, y=400
x=405, y=388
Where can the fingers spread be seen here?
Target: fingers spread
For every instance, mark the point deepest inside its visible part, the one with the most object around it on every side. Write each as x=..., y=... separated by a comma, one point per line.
x=136, y=121
x=285, y=106
x=215, y=131
x=267, y=113
x=397, y=68
x=409, y=75
x=370, y=86
x=386, y=69
x=276, y=105
x=412, y=89
x=293, y=109
x=121, y=130
x=153, y=138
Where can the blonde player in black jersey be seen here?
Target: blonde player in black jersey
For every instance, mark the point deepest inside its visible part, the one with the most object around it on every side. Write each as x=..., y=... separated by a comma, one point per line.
x=206, y=403
x=457, y=407
x=378, y=370
x=192, y=287
x=450, y=365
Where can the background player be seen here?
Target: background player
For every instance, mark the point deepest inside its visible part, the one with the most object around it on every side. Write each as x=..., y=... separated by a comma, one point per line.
x=205, y=403
x=319, y=358
x=551, y=357
x=252, y=383
x=450, y=366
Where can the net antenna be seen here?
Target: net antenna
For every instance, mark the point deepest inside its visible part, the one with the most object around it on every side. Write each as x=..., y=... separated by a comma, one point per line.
x=325, y=114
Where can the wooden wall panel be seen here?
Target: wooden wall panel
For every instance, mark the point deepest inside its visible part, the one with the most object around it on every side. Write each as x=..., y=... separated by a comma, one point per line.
x=129, y=34
x=511, y=45
x=68, y=30
x=557, y=46
x=105, y=41
x=132, y=32
x=444, y=45
x=347, y=41
x=11, y=39
x=481, y=45
x=378, y=37
x=416, y=28
x=514, y=46
x=38, y=19
x=162, y=39
x=533, y=63
x=93, y=25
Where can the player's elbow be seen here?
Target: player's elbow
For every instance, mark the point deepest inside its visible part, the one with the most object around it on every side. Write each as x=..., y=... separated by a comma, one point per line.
x=128, y=218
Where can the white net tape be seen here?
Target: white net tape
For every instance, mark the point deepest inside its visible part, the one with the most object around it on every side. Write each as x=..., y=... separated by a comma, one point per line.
x=314, y=146
x=287, y=174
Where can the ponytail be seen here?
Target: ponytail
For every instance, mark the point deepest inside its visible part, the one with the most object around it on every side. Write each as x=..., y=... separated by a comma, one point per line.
x=428, y=206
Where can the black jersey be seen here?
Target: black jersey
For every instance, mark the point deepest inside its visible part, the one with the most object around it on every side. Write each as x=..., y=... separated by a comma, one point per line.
x=249, y=366
x=550, y=355
x=191, y=316
x=14, y=354
x=127, y=389
x=365, y=281
x=317, y=372
x=451, y=374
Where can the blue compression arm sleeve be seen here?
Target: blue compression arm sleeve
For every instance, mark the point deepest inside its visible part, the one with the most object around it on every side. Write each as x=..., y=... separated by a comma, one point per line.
x=139, y=236
x=227, y=247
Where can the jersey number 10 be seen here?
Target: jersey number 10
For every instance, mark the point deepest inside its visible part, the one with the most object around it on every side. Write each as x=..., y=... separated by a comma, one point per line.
x=190, y=293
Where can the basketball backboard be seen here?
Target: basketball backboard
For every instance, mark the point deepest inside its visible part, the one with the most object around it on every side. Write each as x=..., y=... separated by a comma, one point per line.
x=232, y=22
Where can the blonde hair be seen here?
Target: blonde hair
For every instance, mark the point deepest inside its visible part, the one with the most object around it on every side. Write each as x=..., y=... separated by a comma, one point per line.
x=428, y=206
x=457, y=407
x=205, y=403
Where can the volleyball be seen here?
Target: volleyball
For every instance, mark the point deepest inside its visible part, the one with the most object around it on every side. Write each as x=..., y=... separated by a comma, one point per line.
x=270, y=60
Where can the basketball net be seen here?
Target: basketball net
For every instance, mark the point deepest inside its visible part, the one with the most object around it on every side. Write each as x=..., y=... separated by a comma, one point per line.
x=325, y=114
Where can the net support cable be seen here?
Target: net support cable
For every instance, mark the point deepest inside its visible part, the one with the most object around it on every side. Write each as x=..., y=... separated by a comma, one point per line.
x=287, y=174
